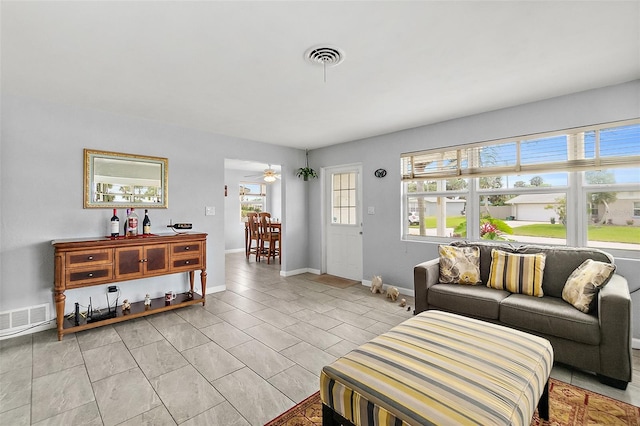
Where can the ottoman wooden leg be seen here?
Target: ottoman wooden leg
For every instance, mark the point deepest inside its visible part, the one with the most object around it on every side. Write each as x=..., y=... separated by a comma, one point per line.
x=543, y=404
x=331, y=418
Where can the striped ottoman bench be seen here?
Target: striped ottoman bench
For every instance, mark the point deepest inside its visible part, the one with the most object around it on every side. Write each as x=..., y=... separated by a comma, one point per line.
x=439, y=368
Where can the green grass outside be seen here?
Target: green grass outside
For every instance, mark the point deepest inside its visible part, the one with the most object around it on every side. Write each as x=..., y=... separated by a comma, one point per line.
x=452, y=221
x=610, y=233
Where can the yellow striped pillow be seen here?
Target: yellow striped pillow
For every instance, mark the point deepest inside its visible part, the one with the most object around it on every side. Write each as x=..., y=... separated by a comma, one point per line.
x=517, y=273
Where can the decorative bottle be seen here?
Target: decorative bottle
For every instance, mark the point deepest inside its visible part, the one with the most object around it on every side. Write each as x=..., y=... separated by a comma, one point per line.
x=126, y=223
x=132, y=223
x=146, y=223
x=114, y=224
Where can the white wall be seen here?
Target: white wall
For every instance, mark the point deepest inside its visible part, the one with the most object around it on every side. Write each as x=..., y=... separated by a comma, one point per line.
x=233, y=228
x=41, y=188
x=385, y=253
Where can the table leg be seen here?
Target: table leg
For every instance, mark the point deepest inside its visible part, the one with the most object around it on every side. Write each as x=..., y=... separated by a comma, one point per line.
x=203, y=284
x=59, y=299
x=191, y=279
x=247, y=240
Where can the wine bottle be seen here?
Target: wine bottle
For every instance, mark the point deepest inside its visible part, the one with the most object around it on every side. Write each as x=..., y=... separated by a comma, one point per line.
x=115, y=224
x=146, y=223
x=126, y=223
x=133, y=223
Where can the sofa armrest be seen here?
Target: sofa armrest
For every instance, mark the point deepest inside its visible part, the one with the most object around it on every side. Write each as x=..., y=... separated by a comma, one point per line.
x=614, y=315
x=425, y=275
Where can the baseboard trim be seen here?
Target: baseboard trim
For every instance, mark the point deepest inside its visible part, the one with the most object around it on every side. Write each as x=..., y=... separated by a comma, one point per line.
x=299, y=271
x=216, y=289
x=30, y=330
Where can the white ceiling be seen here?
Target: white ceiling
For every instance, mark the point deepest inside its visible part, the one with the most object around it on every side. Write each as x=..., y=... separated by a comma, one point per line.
x=250, y=166
x=237, y=68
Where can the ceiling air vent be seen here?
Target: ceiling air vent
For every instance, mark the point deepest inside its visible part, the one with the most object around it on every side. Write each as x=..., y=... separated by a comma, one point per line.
x=327, y=56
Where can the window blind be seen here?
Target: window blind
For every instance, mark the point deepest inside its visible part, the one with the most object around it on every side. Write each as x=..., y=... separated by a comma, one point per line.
x=604, y=146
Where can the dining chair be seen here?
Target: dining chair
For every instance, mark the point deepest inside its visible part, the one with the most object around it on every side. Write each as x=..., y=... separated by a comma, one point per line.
x=253, y=234
x=269, y=235
x=263, y=214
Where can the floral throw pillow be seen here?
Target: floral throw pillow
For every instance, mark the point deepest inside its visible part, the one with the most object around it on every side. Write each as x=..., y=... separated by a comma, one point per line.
x=584, y=283
x=459, y=265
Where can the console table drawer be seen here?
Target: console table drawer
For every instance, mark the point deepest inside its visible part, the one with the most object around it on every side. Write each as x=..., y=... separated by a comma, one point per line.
x=80, y=277
x=185, y=249
x=186, y=263
x=89, y=257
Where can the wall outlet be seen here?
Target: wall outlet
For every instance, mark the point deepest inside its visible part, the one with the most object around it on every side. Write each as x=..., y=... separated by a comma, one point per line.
x=209, y=211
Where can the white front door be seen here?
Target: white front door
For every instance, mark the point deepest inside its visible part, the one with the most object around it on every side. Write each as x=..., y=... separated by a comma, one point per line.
x=343, y=221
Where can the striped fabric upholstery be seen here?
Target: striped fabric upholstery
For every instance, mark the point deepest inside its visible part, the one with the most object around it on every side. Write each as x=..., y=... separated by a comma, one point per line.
x=517, y=273
x=440, y=368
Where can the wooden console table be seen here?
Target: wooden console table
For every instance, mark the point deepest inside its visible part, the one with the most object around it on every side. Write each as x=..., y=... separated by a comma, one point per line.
x=98, y=261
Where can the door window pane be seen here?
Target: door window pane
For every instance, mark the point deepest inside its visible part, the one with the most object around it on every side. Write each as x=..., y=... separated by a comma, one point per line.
x=344, y=199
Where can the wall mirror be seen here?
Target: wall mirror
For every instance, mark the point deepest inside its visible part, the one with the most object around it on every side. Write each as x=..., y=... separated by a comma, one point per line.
x=116, y=180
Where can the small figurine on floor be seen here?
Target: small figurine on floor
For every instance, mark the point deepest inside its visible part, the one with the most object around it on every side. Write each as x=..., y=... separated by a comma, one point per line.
x=392, y=293
x=403, y=303
x=126, y=305
x=147, y=302
x=376, y=284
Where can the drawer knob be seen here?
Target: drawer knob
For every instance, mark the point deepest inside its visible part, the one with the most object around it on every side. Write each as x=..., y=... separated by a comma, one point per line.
x=90, y=275
x=186, y=248
x=186, y=262
x=90, y=257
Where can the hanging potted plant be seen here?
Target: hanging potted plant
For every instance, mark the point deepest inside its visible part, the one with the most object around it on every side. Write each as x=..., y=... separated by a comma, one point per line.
x=306, y=171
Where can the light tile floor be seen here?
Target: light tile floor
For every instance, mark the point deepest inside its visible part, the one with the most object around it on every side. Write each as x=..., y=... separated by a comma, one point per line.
x=251, y=353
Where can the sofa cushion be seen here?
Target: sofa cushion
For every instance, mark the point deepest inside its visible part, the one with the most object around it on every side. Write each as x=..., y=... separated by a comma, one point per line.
x=584, y=283
x=459, y=265
x=476, y=301
x=549, y=315
x=560, y=263
x=485, y=254
x=517, y=273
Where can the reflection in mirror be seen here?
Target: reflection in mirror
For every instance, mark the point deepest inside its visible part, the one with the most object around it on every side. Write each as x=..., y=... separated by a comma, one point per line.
x=113, y=179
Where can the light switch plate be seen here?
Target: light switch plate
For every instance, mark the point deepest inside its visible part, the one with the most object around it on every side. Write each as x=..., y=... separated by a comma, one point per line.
x=371, y=210
x=210, y=211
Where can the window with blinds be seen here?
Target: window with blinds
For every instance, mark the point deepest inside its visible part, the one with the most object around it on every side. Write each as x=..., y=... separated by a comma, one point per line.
x=579, y=187
x=609, y=145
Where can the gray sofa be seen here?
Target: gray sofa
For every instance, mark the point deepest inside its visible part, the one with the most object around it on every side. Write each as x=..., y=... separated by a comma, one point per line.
x=599, y=341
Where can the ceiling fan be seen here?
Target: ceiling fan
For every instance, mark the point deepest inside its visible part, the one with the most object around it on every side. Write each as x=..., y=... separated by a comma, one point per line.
x=269, y=175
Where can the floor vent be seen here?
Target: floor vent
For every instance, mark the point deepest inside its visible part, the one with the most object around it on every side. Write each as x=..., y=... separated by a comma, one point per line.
x=23, y=318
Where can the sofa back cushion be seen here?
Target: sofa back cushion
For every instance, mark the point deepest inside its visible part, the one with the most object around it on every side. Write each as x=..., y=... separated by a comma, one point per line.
x=561, y=262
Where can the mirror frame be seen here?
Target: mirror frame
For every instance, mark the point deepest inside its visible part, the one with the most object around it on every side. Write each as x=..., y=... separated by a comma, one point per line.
x=90, y=155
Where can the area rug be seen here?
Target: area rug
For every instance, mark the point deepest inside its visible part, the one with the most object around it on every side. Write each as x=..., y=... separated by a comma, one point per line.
x=334, y=281
x=568, y=405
